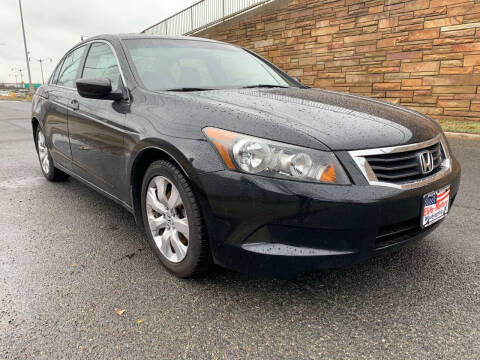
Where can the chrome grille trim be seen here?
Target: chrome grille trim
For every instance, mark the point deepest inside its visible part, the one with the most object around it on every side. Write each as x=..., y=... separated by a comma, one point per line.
x=406, y=166
x=359, y=156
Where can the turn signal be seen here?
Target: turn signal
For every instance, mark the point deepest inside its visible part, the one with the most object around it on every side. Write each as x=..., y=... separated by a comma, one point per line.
x=222, y=140
x=329, y=174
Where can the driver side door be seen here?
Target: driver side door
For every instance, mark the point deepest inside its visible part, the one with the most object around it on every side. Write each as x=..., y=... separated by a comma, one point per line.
x=96, y=127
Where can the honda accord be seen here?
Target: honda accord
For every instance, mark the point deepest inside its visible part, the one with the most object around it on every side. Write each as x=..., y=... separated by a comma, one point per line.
x=224, y=158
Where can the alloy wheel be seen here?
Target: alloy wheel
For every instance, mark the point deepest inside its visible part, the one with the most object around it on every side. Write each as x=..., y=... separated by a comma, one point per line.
x=167, y=219
x=43, y=153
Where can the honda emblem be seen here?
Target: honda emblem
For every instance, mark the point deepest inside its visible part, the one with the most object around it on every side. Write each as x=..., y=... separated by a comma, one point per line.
x=426, y=162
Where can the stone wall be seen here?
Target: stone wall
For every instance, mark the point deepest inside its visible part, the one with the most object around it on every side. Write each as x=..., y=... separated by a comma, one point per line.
x=424, y=54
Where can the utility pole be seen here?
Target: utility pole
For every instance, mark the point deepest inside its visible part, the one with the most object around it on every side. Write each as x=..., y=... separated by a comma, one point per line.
x=20, y=71
x=30, y=85
x=21, y=74
x=41, y=61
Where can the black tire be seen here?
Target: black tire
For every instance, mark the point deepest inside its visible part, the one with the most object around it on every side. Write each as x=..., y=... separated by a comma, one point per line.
x=197, y=259
x=52, y=173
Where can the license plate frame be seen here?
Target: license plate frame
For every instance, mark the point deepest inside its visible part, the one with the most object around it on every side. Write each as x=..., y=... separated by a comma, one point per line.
x=432, y=213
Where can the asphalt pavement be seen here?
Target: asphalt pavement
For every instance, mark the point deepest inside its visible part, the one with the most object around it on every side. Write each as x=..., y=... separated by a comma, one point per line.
x=70, y=259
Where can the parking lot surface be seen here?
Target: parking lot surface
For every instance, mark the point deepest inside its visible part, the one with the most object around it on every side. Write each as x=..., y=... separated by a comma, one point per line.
x=70, y=258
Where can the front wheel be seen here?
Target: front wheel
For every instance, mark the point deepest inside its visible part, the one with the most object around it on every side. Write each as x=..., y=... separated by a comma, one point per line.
x=50, y=172
x=173, y=221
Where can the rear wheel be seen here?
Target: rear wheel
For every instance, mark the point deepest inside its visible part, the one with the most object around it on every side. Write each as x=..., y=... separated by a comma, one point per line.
x=173, y=221
x=50, y=172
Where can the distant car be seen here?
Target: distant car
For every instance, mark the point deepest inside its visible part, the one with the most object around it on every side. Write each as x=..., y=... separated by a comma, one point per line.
x=224, y=158
x=4, y=93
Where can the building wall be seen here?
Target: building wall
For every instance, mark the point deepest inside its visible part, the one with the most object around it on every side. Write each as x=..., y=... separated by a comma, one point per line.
x=424, y=54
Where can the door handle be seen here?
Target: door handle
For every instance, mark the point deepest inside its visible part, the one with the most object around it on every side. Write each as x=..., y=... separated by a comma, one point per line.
x=74, y=104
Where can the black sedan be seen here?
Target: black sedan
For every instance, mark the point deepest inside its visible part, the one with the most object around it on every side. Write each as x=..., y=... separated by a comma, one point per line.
x=224, y=158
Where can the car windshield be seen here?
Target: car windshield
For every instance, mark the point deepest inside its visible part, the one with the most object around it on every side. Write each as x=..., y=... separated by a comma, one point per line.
x=182, y=65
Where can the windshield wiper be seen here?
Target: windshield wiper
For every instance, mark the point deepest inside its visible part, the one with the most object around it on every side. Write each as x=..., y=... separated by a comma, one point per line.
x=264, y=86
x=190, y=89
x=243, y=87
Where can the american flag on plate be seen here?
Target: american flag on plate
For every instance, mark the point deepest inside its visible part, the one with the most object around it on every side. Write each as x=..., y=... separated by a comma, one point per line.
x=435, y=206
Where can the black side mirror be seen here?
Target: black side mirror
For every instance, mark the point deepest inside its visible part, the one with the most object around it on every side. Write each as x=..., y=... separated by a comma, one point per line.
x=100, y=88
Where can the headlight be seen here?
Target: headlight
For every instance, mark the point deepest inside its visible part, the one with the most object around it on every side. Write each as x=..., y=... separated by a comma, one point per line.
x=270, y=158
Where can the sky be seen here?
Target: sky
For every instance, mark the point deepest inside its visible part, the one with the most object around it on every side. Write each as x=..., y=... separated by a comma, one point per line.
x=54, y=26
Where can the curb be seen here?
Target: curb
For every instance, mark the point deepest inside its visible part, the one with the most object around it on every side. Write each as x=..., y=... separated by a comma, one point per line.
x=462, y=135
x=16, y=99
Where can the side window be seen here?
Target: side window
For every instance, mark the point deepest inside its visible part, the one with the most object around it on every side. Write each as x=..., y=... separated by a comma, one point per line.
x=101, y=63
x=54, y=76
x=68, y=73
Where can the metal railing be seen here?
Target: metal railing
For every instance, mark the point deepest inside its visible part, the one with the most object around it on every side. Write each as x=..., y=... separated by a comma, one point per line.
x=202, y=15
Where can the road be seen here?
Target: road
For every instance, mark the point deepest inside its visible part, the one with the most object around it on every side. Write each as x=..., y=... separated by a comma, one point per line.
x=70, y=257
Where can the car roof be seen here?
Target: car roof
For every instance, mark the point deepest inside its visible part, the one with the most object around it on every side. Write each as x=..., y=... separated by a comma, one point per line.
x=144, y=36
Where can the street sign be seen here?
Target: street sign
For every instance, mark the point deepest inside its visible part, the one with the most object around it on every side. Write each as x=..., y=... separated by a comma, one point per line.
x=35, y=86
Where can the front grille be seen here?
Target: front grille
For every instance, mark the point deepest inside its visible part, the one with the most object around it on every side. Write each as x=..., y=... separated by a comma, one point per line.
x=404, y=166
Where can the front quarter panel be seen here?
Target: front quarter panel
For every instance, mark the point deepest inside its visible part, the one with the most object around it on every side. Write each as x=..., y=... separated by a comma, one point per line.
x=193, y=156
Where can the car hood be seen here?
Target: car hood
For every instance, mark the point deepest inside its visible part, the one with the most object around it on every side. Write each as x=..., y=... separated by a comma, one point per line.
x=339, y=121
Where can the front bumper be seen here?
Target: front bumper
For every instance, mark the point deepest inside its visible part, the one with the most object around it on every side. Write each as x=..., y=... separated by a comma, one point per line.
x=282, y=227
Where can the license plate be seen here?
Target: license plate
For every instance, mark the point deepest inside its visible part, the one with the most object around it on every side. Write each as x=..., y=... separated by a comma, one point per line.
x=435, y=206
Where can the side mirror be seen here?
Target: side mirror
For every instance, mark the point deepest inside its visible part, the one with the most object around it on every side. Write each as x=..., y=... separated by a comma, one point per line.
x=100, y=88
